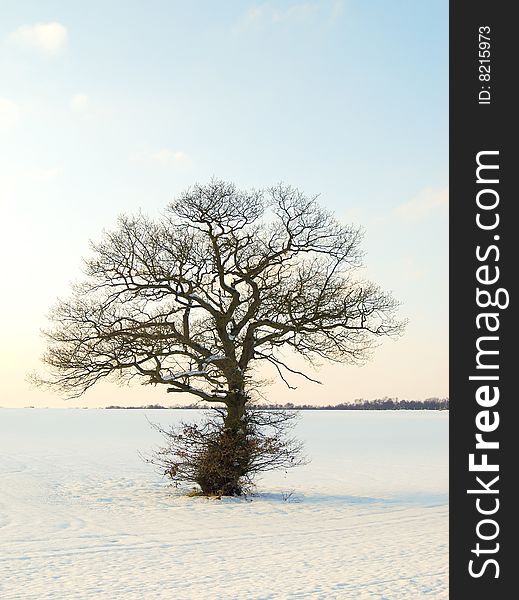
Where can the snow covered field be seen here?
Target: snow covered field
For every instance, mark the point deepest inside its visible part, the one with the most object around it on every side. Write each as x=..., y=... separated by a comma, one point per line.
x=82, y=516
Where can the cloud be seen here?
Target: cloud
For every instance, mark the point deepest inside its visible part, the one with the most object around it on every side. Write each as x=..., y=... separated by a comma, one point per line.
x=425, y=204
x=49, y=38
x=164, y=156
x=17, y=181
x=80, y=103
x=169, y=157
x=43, y=174
x=9, y=113
x=273, y=13
x=352, y=215
x=337, y=9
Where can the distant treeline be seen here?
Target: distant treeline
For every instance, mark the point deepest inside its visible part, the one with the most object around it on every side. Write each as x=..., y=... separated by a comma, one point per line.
x=377, y=404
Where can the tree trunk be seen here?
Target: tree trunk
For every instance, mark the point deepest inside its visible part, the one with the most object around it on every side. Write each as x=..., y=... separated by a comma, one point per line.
x=228, y=457
x=236, y=433
x=235, y=403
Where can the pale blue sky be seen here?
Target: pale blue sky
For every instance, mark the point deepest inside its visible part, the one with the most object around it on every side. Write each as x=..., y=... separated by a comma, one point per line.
x=108, y=107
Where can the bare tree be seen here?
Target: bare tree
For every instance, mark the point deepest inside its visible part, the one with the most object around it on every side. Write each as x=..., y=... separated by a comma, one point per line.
x=223, y=462
x=224, y=281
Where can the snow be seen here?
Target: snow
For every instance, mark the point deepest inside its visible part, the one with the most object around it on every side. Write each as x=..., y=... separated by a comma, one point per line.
x=214, y=357
x=181, y=374
x=82, y=516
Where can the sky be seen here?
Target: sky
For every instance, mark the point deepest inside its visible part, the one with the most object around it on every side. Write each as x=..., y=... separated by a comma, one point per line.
x=115, y=107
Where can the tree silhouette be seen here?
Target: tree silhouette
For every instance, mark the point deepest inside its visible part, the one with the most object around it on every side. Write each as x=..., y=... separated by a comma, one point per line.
x=224, y=281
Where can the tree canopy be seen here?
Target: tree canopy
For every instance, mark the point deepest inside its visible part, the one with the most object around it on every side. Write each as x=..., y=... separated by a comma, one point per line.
x=224, y=280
